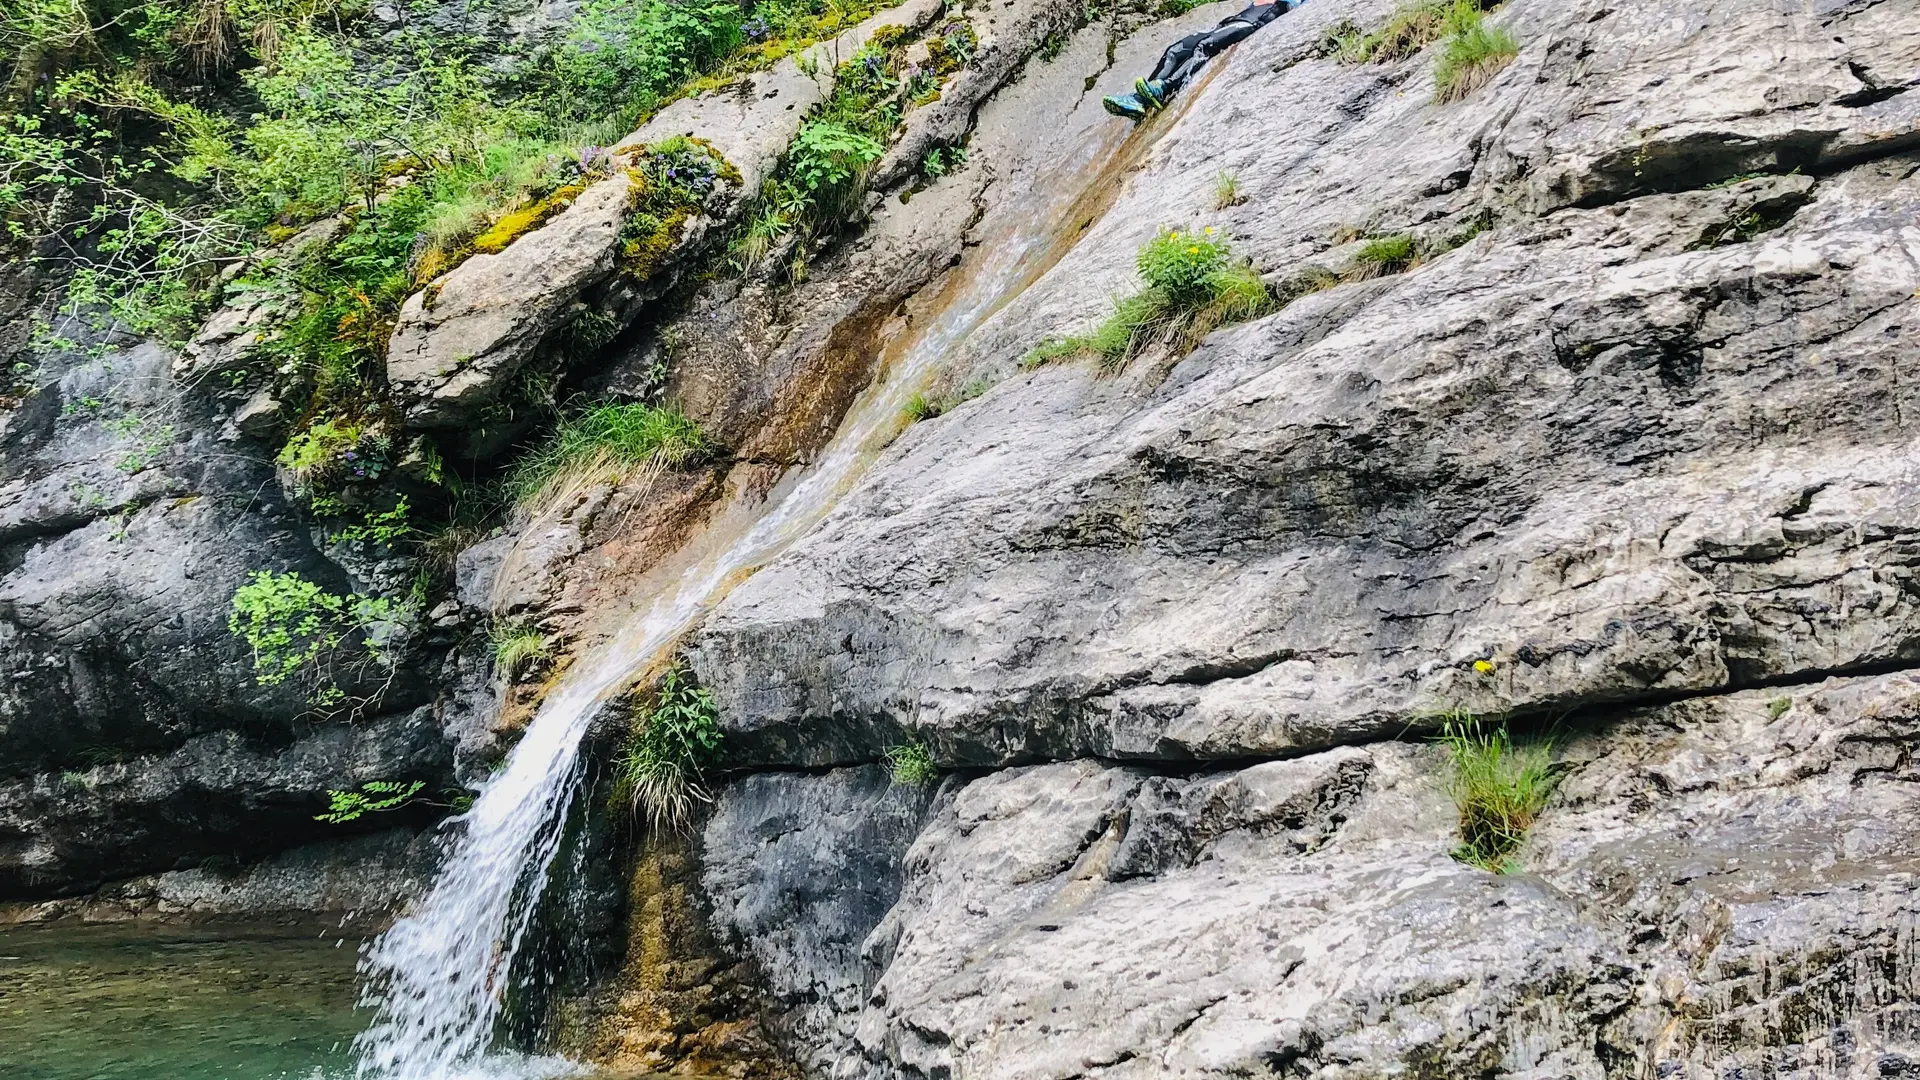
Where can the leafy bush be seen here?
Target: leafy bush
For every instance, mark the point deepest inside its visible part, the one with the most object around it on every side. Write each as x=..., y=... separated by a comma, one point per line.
x=294, y=626
x=373, y=797
x=604, y=443
x=1499, y=787
x=622, y=58
x=1194, y=286
x=912, y=764
x=660, y=772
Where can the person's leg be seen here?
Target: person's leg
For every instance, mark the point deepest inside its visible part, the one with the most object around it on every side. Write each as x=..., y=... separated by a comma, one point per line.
x=1178, y=54
x=1210, y=45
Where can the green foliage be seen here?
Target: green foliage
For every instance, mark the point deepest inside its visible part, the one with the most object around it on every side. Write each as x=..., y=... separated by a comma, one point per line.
x=671, y=183
x=821, y=181
x=372, y=797
x=603, y=443
x=828, y=155
x=622, y=58
x=294, y=626
x=912, y=764
x=518, y=648
x=1498, y=785
x=1472, y=54
x=1182, y=265
x=660, y=772
x=1194, y=286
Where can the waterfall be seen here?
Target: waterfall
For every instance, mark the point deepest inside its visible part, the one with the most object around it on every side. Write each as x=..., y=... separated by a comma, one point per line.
x=438, y=976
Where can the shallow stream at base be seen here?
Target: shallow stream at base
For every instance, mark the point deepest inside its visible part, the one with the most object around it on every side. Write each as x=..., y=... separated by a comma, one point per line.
x=128, y=1001
x=105, y=1002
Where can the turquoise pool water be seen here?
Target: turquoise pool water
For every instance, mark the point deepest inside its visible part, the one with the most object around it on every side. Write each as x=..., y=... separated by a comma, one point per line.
x=114, y=1002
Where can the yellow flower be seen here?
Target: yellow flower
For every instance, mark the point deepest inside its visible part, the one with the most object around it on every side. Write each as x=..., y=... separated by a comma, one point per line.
x=1193, y=251
x=1484, y=667
x=1209, y=230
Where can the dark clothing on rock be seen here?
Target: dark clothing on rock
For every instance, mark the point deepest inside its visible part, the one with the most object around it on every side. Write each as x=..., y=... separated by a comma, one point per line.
x=1184, y=58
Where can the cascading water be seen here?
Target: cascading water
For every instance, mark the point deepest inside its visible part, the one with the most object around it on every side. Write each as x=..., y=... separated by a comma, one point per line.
x=438, y=976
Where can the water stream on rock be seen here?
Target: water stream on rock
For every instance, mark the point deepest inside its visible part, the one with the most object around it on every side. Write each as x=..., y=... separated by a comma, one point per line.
x=438, y=976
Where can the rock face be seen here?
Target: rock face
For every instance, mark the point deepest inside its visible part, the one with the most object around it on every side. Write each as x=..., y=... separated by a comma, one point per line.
x=134, y=737
x=1724, y=885
x=1586, y=446
x=1624, y=454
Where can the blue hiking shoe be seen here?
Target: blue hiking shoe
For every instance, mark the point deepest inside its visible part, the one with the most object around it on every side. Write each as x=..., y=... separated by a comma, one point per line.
x=1151, y=92
x=1126, y=105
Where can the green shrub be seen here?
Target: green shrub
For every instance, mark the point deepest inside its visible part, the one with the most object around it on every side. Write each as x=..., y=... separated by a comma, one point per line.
x=1194, y=286
x=1472, y=54
x=373, y=797
x=660, y=772
x=1499, y=787
x=604, y=443
x=1182, y=265
x=912, y=764
x=622, y=58
x=518, y=648
x=293, y=626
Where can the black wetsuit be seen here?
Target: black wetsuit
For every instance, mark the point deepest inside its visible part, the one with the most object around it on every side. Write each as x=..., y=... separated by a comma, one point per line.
x=1188, y=55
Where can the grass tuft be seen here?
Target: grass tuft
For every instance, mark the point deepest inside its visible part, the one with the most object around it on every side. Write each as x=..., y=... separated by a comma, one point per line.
x=1473, y=53
x=1499, y=787
x=661, y=769
x=1194, y=286
x=518, y=648
x=605, y=444
x=1226, y=191
x=912, y=764
x=920, y=407
x=1384, y=255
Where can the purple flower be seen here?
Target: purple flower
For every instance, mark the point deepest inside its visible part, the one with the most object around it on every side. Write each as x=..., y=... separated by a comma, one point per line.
x=349, y=455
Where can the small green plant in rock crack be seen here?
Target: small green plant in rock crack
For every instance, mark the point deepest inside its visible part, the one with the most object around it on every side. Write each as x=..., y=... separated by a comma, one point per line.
x=1381, y=256
x=671, y=742
x=1226, y=191
x=911, y=764
x=1195, y=285
x=372, y=797
x=518, y=648
x=1472, y=54
x=1498, y=785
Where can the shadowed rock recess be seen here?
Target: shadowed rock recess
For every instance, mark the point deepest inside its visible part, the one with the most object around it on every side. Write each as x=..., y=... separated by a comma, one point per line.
x=1623, y=454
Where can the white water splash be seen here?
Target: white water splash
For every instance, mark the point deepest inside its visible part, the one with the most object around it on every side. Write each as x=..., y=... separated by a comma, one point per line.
x=438, y=976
